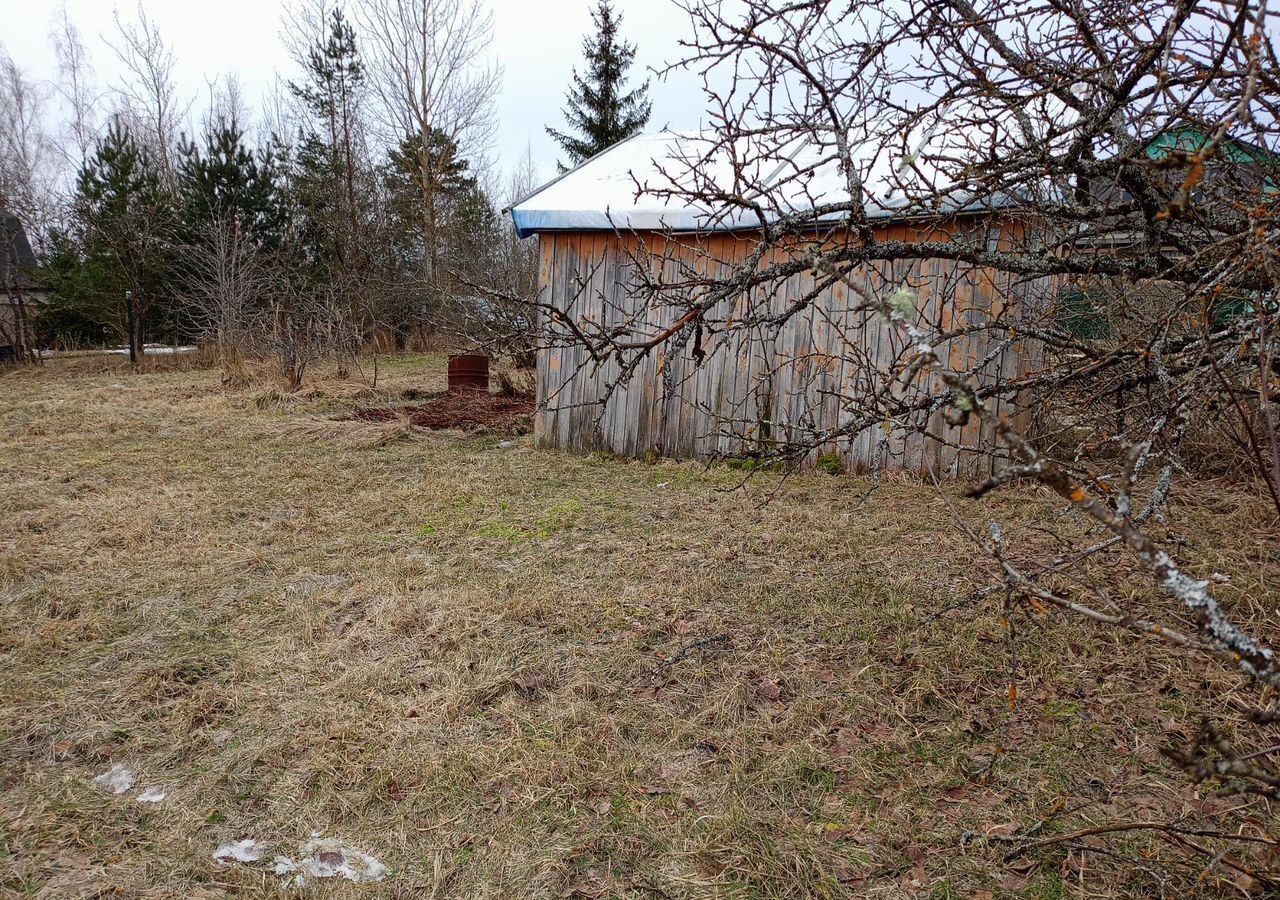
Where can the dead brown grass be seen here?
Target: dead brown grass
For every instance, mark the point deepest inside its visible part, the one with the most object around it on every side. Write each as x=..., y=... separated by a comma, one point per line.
x=473, y=662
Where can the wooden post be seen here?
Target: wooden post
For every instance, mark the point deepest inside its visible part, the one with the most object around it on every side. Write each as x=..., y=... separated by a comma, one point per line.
x=129, y=323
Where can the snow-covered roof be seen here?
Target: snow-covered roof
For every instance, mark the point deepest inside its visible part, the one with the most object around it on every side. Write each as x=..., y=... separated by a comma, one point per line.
x=646, y=182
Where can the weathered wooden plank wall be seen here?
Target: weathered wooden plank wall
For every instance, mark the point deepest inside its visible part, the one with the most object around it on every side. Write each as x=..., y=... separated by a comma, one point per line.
x=751, y=384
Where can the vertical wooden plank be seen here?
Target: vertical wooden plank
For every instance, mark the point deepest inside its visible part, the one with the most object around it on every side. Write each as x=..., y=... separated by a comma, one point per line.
x=645, y=435
x=588, y=387
x=695, y=388
x=913, y=441
x=806, y=401
x=945, y=275
x=677, y=424
x=935, y=307
x=715, y=406
x=613, y=415
x=726, y=367
x=628, y=314
x=571, y=306
x=557, y=354
x=858, y=333
x=542, y=372
x=653, y=404
x=778, y=368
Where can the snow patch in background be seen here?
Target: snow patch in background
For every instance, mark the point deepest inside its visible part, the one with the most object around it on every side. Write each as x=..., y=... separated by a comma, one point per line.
x=151, y=795
x=147, y=350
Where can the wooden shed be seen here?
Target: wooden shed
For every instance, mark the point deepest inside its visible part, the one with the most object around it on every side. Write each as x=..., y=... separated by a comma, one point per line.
x=732, y=390
x=21, y=295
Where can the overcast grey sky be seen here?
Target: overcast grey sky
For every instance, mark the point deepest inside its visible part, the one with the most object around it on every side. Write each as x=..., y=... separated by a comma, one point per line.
x=536, y=41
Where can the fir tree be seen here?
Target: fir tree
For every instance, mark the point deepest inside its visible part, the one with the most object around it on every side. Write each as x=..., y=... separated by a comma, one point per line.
x=420, y=207
x=600, y=108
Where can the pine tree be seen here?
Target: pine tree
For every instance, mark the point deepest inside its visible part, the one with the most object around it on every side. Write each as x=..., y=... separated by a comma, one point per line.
x=599, y=107
x=421, y=208
x=84, y=287
x=328, y=177
x=128, y=216
x=224, y=180
x=450, y=219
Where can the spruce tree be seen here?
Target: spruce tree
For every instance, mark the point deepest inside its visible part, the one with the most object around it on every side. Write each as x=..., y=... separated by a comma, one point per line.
x=421, y=209
x=599, y=107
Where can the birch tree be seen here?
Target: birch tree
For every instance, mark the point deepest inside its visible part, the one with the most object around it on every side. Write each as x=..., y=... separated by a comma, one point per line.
x=149, y=88
x=76, y=86
x=26, y=151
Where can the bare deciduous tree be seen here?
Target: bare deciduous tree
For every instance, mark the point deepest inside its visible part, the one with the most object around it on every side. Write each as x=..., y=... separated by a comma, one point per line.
x=150, y=86
x=26, y=152
x=75, y=85
x=501, y=313
x=228, y=281
x=428, y=68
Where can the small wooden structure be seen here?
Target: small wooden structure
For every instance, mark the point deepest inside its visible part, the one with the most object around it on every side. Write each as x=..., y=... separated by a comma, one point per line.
x=745, y=388
x=20, y=292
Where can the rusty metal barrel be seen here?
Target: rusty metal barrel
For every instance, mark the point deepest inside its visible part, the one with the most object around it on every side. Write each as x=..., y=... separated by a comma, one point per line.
x=468, y=372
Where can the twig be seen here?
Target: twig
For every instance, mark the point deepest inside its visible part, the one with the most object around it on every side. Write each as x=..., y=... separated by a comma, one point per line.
x=1165, y=827
x=686, y=651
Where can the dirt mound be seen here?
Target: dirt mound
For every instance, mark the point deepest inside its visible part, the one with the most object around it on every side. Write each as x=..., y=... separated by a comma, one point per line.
x=468, y=410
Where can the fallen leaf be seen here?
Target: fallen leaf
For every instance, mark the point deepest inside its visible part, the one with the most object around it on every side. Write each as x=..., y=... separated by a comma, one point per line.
x=528, y=682
x=1022, y=865
x=768, y=689
x=1014, y=881
x=846, y=741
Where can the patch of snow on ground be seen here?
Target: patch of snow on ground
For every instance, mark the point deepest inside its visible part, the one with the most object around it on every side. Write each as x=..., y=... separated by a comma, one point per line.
x=245, y=851
x=330, y=858
x=115, y=780
x=151, y=795
x=317, y=858
x=284, y=867
x=147, y=349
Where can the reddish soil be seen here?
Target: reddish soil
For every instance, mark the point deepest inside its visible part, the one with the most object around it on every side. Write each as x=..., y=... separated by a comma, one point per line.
x=468, y=410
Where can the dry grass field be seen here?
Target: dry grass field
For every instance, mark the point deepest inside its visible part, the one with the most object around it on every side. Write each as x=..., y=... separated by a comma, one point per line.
x=508, y=673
